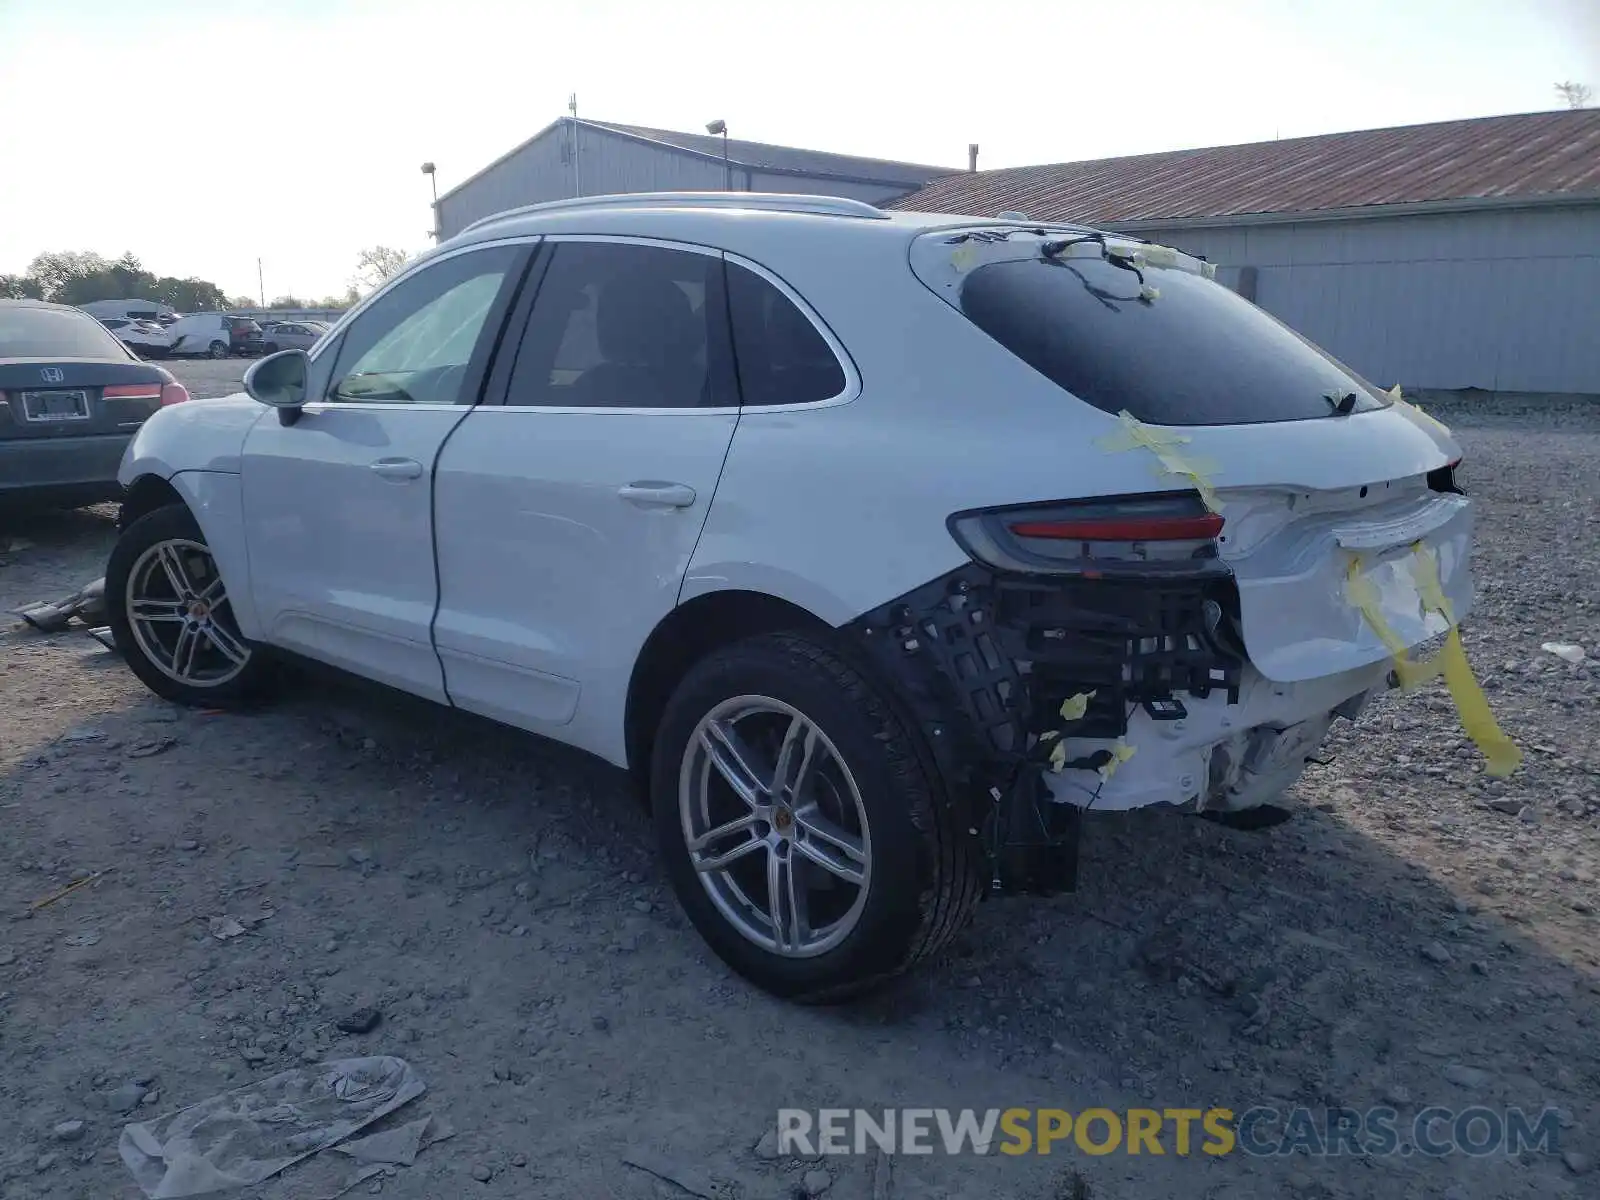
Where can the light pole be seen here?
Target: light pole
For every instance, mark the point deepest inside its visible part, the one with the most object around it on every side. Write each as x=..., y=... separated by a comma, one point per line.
x=430, y=171
x=716, y=127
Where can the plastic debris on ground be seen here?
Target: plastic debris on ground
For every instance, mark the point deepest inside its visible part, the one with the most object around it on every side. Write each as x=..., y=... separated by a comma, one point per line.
x=247, y=1135
x=1566, y=651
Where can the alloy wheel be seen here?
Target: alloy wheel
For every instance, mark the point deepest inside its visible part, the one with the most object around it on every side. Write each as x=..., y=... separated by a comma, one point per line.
x=178, y=613
x=775, y=826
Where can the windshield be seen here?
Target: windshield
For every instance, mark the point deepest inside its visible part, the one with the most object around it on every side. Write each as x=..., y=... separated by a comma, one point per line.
x=1192, y=353
x=28, y=332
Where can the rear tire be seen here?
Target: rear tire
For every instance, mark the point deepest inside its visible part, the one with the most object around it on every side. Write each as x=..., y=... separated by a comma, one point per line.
x=867, y=804
x=270, y=348
x=219, y=349
x=169, y=612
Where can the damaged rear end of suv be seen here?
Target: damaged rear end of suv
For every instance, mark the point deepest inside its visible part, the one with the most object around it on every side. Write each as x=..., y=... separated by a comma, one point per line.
x=1222, y=542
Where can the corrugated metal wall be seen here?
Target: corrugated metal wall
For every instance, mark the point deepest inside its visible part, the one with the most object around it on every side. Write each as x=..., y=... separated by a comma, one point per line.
x=1501, y=300
x=542, y=170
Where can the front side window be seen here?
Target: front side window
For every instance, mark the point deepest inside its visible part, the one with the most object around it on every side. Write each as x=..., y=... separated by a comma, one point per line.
x=782, y=358
x=415, y=344
x=623, y=325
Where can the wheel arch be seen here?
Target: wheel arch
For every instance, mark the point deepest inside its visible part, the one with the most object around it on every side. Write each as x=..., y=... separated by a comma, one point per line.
x=682, y=638
x=214, y=499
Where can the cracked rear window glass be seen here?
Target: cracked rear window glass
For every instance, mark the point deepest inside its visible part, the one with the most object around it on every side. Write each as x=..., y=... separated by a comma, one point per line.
x=1198, y=354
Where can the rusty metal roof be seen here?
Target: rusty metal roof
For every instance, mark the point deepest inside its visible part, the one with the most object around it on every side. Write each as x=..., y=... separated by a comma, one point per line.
x=1530, y=155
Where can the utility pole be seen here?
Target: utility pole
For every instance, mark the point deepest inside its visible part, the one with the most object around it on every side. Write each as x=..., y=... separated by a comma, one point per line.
x=260, y=286
x=572, y=107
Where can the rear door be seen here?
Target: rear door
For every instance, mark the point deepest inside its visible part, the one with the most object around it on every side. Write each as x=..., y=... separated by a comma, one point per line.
x=567, y=513
x=1320, y=477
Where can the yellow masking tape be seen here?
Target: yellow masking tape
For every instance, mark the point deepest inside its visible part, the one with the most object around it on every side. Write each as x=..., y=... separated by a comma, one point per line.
x=1073, y=707
x=964, y=257
x=1135, y=434
x=1416, y=416
x=1499, y=751
x=1120, y=753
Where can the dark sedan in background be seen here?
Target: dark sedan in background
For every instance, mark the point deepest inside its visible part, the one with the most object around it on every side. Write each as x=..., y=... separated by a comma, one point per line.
x=71, y=397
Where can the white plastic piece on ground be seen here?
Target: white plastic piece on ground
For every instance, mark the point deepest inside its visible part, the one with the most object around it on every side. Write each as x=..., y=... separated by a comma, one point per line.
x=1567, y=651
x=1259, y=746
x=251, y=1133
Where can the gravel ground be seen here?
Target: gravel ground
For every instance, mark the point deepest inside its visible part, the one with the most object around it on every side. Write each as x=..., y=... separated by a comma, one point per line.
x=1417, y=935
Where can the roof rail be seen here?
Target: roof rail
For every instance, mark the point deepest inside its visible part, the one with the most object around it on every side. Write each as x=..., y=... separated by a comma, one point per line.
x=830, y=206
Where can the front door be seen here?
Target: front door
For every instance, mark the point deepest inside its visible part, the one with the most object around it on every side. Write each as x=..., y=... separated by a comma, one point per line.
x=338, y=506
x=568, y=514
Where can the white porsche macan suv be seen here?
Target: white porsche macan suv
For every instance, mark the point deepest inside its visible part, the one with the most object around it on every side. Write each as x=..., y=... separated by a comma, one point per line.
x=877, y=546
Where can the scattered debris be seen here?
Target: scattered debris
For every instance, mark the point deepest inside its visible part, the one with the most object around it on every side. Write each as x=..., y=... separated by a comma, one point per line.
x=68, y=890
x=362, y=1020
x=126, y=1098
x=691, y=1179
x=68, y=1131
x=251, y=1133
x=361, y=1175
x=881, y=1174
x=87, y=605
x=103, y=635
x=1566, y=651
x=399, y=1145
x=1435, y=952
x=153, y=747
x=482, y=1173
x=226, y=928
x=87, y=937
x=816, y=1182
x=1577, y=1162
x=767, y=1147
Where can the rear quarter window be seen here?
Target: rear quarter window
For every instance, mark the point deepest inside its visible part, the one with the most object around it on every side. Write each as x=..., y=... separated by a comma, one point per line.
x=1195, y=354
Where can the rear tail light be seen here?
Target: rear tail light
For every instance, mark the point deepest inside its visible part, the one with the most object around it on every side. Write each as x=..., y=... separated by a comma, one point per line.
x=173, y=393
x=1171, y=533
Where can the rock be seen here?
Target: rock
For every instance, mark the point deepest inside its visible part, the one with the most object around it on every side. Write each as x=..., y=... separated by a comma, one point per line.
x=187, y=844
x=767, y=1147
x=600, y=1023
x=68, y=1131
x=253, y=1055
x=643, y=906
x=1506, y=805
x=360, y=855
x=482, y=1173
x=151, y=1099
x=1397, y=1094
x=519, y=1160
x=1528, y=815
x=1465, y=1076
x=1577, y=1161
x=362, y=1020
x=816, y=1182
x=1434, y=952
x=7, y=956
x=1479, y=967
x=125, y=1098
x=45, y=1161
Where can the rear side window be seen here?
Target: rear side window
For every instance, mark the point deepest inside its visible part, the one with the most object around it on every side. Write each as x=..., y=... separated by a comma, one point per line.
x=1197, y=354
x=782, y=358
x=28, y=332
x=623, y=325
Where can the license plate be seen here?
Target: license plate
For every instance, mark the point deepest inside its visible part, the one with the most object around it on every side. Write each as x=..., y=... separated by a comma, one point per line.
x=56, y=406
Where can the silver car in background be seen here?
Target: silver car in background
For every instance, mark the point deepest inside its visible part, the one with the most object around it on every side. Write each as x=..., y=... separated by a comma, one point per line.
x=291, y=335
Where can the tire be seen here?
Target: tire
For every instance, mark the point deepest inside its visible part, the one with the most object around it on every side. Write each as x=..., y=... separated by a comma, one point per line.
x=135, y=569
x=219, y=349
x=269, y=348
x=920, y=864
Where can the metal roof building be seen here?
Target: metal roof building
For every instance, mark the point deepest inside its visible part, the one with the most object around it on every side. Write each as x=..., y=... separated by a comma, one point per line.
x=1456, y=255
x=577, y=157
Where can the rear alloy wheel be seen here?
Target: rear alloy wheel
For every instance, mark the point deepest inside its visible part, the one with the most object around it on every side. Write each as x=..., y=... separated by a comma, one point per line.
x=802, y=831
x=219, y=349
x=169, y=612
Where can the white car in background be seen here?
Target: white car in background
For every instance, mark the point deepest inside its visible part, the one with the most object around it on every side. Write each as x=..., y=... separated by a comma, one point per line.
x=878, y=546
x=147, y=339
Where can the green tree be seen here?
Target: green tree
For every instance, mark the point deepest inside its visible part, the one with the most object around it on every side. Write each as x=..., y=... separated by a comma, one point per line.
x=20, y=287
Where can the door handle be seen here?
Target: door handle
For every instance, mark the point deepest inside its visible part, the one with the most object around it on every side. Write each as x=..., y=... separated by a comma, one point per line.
x=397, y=469
x=667, y=495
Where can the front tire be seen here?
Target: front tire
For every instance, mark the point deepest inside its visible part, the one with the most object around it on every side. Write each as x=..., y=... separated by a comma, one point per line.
x=803, y=832
x=269, y=348
x=219, y=349
x=169, y=613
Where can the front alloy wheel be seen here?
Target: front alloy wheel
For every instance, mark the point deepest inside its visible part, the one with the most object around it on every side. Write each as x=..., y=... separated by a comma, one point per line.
x=169, y=611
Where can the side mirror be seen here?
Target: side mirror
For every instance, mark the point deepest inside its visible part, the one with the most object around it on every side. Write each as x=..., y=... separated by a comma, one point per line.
x=279, y=381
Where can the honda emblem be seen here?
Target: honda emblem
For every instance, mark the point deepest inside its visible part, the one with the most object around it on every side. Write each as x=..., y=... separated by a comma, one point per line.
x=51, y=374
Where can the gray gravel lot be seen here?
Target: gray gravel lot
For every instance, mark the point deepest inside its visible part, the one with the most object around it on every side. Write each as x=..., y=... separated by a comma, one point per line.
x=1417, y=935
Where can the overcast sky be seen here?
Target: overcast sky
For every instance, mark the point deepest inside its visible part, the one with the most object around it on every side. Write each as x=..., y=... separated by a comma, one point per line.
x=201, y=134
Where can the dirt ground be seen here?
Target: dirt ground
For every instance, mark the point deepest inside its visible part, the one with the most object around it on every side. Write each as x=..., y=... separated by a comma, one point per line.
x=1417, y=935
